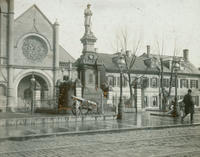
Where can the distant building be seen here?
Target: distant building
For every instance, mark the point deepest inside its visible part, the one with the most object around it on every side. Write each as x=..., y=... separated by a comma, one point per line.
x=188, y=77
x=29, y=47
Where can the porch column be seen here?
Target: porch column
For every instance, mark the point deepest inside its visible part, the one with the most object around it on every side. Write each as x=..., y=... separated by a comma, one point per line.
x=56, y=57
x=10, y=34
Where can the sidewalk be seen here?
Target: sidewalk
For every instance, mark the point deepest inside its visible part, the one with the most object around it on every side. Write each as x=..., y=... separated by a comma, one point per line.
x=26, y=119
x=131, y=121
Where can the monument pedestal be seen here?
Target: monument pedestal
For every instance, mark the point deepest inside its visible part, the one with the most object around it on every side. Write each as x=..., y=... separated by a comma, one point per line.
x=96, y=96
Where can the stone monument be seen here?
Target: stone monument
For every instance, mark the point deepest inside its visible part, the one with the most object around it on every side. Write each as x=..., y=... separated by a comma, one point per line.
x=89, y=66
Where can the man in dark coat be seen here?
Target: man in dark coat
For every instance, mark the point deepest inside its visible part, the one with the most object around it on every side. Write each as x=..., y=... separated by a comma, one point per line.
x=189, y=105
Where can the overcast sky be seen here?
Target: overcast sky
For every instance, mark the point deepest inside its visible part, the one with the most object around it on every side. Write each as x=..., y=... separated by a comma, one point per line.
x=151, y=21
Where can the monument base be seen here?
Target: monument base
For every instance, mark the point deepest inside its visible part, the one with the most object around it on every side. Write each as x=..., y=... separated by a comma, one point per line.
x=95, y=95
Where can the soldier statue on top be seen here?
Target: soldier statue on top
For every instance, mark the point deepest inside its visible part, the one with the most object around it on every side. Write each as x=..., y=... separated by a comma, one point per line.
x=87, y=23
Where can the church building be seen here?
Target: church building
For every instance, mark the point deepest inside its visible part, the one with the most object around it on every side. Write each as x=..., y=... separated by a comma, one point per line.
x=29, y=50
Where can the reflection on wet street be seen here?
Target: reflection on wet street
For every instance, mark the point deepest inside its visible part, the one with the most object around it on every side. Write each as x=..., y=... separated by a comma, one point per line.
x=130, y=120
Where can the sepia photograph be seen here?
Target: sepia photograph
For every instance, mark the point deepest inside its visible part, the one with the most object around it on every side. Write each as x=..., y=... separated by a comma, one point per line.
x=99, y=78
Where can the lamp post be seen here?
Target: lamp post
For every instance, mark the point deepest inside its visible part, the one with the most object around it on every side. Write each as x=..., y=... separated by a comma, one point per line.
x=120, y=105
x=33, y=93
x=176, y=68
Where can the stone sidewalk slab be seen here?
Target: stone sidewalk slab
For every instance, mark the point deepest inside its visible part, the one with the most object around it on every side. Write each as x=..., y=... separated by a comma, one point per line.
x=16, y=119
x=85, y=132
x=130, y=122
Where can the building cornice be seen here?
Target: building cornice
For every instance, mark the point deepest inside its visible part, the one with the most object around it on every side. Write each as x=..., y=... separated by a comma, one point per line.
x=151, y=72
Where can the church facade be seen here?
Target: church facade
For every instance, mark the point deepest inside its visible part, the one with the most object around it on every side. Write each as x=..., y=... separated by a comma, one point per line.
x=29, y=48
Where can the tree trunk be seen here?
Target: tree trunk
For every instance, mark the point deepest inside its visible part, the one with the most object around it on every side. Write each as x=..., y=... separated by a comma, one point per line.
x=131, y=89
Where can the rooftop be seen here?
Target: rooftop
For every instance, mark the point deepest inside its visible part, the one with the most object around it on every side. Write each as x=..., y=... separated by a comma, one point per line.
x=140, y=67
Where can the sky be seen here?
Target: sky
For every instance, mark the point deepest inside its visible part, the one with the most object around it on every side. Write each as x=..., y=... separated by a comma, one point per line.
x=167, y=24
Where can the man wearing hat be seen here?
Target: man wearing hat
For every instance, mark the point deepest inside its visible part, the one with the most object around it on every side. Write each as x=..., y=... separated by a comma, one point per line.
x=189, y=105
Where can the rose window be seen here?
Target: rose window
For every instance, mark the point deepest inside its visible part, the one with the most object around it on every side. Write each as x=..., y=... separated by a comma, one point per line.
x=34, y=48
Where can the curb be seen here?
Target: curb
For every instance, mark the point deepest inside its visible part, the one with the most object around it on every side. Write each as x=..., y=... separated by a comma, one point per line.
x=103, y=131
x=56, y=119
x=160, y=114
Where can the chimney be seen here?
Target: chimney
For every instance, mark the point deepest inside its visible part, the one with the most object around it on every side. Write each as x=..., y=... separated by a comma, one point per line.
x=186, y=54
x=128, y=52
x=148, y=51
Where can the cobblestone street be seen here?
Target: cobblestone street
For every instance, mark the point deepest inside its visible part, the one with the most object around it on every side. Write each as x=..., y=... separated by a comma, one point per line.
x=183, y=141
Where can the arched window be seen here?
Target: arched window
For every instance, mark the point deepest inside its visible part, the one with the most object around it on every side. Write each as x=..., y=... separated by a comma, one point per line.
x=2, y=90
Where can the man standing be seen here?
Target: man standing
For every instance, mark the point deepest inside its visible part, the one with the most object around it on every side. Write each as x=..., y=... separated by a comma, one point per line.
x=189, y=105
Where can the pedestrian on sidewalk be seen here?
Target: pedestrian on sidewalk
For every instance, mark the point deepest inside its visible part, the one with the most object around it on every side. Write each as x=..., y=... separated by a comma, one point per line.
x=189, y=105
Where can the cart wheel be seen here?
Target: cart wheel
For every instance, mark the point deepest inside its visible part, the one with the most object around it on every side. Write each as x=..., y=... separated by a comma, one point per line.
x=74, y=109
x=84, y=109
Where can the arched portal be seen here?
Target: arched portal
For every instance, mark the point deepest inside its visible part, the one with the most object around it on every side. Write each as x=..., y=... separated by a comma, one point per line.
x=24, y=92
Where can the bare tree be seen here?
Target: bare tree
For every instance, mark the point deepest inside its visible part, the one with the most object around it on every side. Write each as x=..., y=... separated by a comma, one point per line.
x=163, y=95
x=122, y=41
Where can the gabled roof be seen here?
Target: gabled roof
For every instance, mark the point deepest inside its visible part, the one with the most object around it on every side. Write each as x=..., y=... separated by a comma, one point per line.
x=34, y=7
x=189, y=68
x=111, y=66
x=139, y=65
x=64, y=56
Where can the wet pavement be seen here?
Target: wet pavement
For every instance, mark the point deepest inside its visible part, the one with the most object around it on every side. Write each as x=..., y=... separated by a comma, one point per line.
x=130, y=121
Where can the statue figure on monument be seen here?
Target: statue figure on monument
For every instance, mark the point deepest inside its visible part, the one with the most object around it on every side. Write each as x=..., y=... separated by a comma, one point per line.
x=88, y=14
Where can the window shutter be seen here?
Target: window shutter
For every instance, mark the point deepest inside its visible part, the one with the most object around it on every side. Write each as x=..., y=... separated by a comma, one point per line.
x=114, y=81
x=118, y=81
x=190, y=83
x=156, y=82
x=168, y=83
x=151, y=82
x=197, y=86
x=125, y=82
x=177, y=83
x=122, y=81
x=181, y=82
x=187, y=83
x=147, y=82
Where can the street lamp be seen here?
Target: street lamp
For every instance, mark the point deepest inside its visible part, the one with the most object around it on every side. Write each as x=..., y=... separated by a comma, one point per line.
x=33, y=92
x=176, y=64
x=120, y=63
